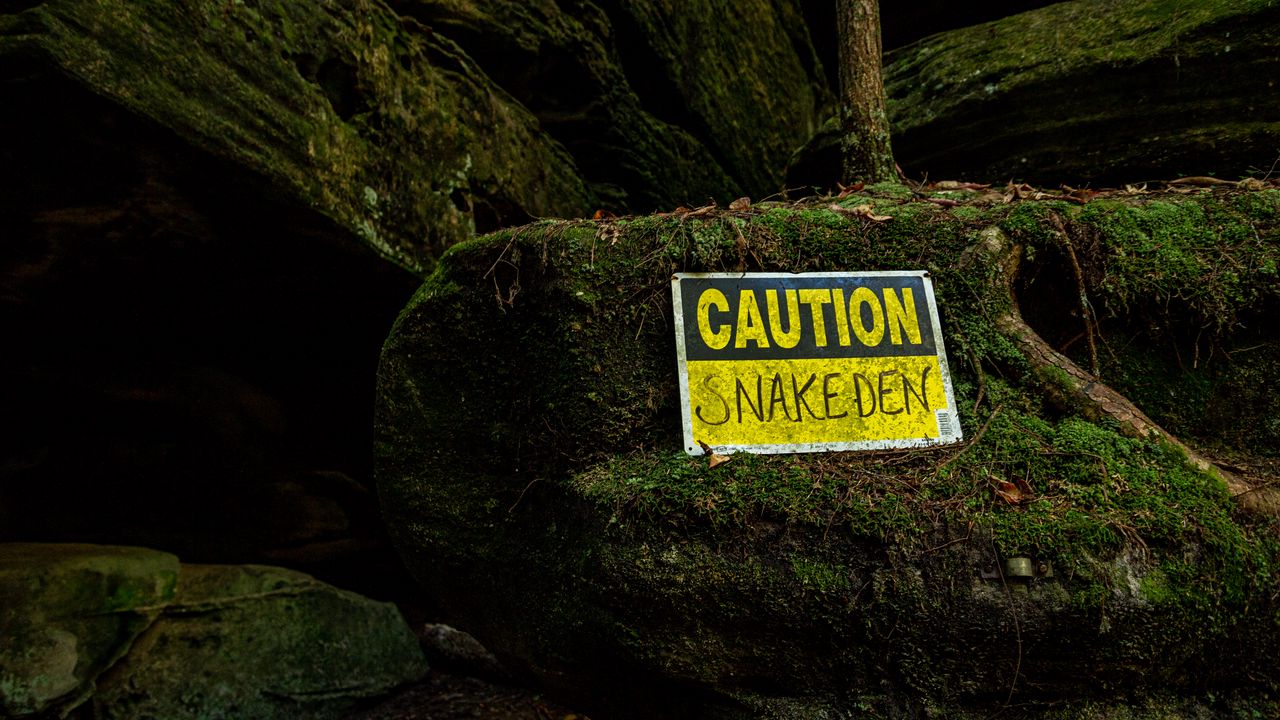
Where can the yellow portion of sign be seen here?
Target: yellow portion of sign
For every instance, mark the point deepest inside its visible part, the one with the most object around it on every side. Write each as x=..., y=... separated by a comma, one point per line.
x=830, y=400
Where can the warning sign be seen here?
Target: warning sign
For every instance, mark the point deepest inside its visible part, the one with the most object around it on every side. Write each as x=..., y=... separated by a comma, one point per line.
x=784, y=362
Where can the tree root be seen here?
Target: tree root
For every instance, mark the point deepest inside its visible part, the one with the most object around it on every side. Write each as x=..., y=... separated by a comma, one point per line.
x=1074, y=389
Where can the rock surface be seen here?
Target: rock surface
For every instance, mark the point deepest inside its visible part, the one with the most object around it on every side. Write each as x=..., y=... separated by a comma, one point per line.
x=457, y=652
x=260, y=642
x=123, y=632
x=190, y=312
x=527, y=457
x=1082, y=93
x=659, y=104
x=1078, y=94
x=376, y=122
x=67, y=613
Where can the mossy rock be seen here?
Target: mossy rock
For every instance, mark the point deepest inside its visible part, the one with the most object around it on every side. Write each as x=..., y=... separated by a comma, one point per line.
x=742, y=78
x=1082, y=93
x=529, y=464
x=659, y=105
x=1077, y=92
x=382, y=125
x=249, y=641
x=124, y=632
x=67, y=613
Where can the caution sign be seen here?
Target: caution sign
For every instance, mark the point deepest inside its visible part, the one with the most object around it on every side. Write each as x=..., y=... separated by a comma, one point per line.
x=785, y=363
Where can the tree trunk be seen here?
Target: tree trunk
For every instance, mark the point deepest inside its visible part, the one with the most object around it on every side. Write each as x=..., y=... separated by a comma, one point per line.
x=863, y=123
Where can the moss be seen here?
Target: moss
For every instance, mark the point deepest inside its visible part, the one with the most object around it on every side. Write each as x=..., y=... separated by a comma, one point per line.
x=821, y=576
x=262, y=642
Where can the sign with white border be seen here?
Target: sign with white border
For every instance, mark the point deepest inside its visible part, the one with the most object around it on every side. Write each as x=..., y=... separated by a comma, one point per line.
x=811, y=362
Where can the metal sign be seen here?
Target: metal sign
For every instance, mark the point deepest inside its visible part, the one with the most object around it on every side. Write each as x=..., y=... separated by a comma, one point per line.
x=811, y=362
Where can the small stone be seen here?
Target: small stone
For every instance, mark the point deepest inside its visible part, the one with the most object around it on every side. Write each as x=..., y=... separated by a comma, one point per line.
x=457, y=652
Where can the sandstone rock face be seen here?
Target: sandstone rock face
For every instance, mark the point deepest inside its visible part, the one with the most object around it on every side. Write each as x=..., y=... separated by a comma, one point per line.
x=529, y=463
x=1080, y=93
x=377, y=123
x=1084, y=94
x=67, y=613
x=260, y=642
x=124, y=632
x=176, y=205
x=743, y=79
x=660, y=104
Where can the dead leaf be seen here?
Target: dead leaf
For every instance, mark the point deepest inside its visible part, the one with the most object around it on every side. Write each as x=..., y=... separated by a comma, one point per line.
x=739, y=205
x=1080, y=194
x=1024, y=487
x=1201, y=181
x=862, y=211
x=1009, y=492
x=957, y=185
x=610, y=233
x=1251, y=184
x=847, y=190
x=1136, y=189
x=1017, y=492
x=716, y=458
x=603, y=215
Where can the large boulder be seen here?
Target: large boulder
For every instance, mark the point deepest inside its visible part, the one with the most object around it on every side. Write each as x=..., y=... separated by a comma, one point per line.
x=1082, y=93
x=378, y=123
x=214, y=214
x=125, y=632
x=530, y=465
x=742, y=78
x=67, y=613
x=260, y=642
x=660, y=104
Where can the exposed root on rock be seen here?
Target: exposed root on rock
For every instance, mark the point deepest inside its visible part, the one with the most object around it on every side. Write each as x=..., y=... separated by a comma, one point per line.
x=1074, y=389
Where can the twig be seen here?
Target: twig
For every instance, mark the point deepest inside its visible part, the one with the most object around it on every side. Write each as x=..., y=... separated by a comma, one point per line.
x=977, y=369
x=1201, y=181
x=522, y=492
x=1086, y=314
x=974, y=440
x=1017, y=625
x=968, y=534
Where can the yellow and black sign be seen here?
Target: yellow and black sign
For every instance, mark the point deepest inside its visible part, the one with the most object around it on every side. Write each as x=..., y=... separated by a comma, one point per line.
x=784, y=362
